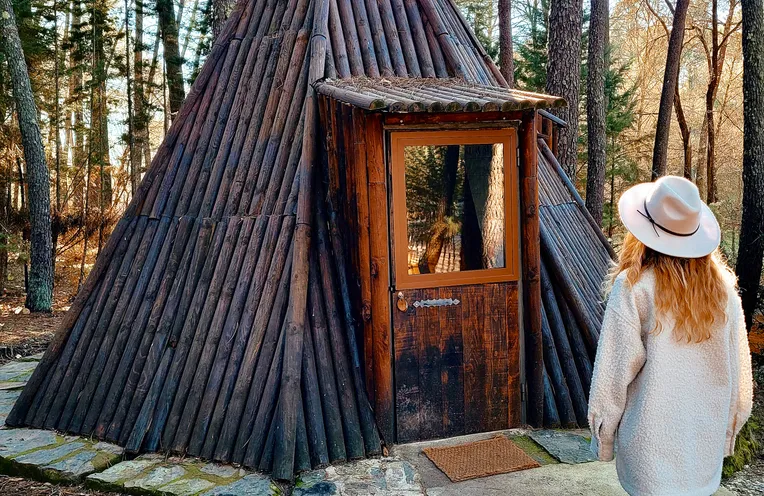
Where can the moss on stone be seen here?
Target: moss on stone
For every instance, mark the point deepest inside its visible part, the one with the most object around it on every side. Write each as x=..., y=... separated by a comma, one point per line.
x=533, y=449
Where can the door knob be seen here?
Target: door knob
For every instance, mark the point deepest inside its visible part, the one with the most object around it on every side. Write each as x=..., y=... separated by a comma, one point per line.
x=403, y=305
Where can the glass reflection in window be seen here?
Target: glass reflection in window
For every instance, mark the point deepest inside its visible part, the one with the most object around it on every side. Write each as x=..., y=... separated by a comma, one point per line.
x=455, y=207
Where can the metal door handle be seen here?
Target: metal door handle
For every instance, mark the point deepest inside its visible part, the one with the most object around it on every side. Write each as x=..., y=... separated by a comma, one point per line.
x=402, y=304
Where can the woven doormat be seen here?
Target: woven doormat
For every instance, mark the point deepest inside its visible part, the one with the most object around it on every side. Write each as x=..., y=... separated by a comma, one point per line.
x=493, y=456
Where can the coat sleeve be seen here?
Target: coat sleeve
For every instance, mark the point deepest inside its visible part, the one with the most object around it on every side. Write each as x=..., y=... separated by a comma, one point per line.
x=620, y=357
x=741, y=379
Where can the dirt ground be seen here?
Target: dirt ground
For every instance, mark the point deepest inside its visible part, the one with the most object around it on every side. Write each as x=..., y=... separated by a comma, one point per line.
x=16, y=486
x=22, y=333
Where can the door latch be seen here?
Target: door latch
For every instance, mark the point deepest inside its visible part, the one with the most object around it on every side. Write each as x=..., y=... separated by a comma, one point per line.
x=403, y=305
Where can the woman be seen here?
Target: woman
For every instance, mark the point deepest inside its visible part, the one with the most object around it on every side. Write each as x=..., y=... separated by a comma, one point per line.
x=672, y=382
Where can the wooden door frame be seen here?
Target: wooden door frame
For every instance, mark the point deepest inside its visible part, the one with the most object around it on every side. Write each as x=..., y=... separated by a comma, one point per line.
x=381, y=275
x=398, y=140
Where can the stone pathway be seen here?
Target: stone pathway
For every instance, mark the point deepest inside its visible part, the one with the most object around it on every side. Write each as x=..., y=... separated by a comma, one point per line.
x=48, y=456
x=566, y=447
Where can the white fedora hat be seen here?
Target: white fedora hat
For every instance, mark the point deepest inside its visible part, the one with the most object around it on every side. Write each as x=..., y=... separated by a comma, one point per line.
x=669, y=217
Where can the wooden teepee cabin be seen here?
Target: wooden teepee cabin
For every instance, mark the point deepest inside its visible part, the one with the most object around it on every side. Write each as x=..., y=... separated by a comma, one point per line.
x=268, y=297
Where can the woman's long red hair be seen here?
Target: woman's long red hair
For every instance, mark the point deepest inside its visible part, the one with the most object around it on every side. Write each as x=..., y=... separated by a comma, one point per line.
x=691, y=290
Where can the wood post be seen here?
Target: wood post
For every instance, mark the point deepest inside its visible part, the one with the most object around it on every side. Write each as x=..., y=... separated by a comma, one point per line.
x=531, y=258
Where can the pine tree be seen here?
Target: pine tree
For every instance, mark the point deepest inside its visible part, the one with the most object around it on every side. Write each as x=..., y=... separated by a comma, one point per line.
x=173, y=62
x=596, y=110
x=621, y=103
x=751, y=251
x=40, y=287
x=670, y=78
x=564, y=74
x=530, y=67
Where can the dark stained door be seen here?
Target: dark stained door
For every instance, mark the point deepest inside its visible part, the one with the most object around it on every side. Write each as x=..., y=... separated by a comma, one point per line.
x=456, y=360
x=455, y=299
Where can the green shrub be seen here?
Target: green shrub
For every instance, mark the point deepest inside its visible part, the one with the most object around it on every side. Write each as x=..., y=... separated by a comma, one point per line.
x=747, y=447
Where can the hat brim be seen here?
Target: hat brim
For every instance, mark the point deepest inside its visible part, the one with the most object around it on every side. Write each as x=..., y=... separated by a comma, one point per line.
x=700, y=244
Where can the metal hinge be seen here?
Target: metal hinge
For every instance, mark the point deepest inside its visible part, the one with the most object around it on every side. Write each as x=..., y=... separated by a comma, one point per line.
x=523, y=392
x=517, y=162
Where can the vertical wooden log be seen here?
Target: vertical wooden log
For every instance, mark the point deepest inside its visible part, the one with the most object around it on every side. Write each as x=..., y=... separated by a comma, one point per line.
x=248, y=395
x=580, y=353
x=283, y=463
x=325, y=369
x=551, y=416
x=380, y=41
x=387, y=18
x=420, y=38
x=556, y=376
x=531, y=258
x=404, y=32
x=366, y=416
x=380, y=279
x=364, y=253
x=311, y=395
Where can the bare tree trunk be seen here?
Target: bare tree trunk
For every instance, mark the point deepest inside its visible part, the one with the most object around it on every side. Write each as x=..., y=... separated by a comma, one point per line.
x=40, y=291
x=670, y=77
x=506, y=53
x=191, y=28
x=700, y=165
x=56, y=129
x=5, y=206
x=596, y=110
x=139, y=119
x=493, y=215
x=428, y=262
x=221, y=9
x=684, y=128
x=147, y=91
x=564, y=74
x=99, y=118
x=85, y=227
x=710, y=97
x=484, y=167
x=173, y=63
x=79, y=155
x=751, y=251
x=132, y=166
x=612, y=195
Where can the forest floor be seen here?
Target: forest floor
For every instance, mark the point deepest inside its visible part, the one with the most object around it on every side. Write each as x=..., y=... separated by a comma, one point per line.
x=16, y=486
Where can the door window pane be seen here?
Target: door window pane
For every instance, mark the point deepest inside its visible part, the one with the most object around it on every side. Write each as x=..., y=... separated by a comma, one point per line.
x=455, y=207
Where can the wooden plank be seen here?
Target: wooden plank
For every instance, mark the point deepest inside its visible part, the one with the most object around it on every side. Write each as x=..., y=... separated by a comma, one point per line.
x=364, y=249
x=408, y=395
x=380, y=279
x=514, y=328
x=430, y=385
x=452, y=363
x=476, y=381
x=484, y=118
x=497, y=355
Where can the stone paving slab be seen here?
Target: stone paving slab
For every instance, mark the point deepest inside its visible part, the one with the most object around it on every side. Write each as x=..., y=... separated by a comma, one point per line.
x=32, y=358
x=7, y=400
x=385, y=476
x=45, y=455
x=17, y=371
x=156, y=475
x=566, y=447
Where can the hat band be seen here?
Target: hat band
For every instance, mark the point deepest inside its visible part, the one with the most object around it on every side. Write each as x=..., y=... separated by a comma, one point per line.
x=657, y=226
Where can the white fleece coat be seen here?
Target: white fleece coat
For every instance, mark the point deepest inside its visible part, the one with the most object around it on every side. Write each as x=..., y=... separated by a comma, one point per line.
x=672, y=409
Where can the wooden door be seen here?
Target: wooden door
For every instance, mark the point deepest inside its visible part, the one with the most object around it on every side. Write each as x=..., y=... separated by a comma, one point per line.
x=455, y=300
x=456, y=364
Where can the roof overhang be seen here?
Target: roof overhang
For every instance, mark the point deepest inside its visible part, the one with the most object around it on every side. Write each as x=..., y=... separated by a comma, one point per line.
x=407, y=95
